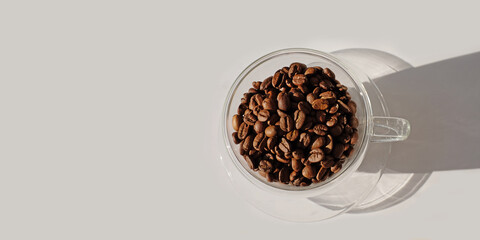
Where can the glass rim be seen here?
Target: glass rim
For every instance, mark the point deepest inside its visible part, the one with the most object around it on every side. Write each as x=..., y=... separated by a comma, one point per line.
x=354, y=162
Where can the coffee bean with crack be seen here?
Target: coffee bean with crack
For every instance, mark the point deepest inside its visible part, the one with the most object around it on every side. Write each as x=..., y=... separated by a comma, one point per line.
x=260, y=142
x=320, y=104
x=304, y=140
x=243, y=131
x=278, y=80
x=285, y=146
x=292, y=135
x=316, y=155
x=249, y=118
x=299, y=118
x=320, y=129
x=263, y=115
x=296, y=68
x=286, y=123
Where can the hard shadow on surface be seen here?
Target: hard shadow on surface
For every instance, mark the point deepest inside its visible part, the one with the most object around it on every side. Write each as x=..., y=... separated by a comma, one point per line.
x=442, y=102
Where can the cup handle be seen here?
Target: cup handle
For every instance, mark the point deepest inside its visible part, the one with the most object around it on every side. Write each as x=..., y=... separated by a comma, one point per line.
x=389, y=129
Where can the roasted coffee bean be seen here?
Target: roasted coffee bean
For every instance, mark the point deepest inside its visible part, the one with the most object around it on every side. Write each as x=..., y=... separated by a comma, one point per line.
x=274, y=118
x=284, y=175
x=299, y=79
x=283, y=101
x=352, y=106
x=296, y=68
x=269, y=104
x=263, y=115
x=316, y=155
x=282, y=159
x=257, y=109
x=298, y=154
x=308, y=171
x=236, y=121
x=304, y=140
x=266, y=84
x=297, y=165
x=343, y=107
x=243, y=131
x=316, y=92
x=310, y=98
x=271, y=143
x=353, y=122
x=293, y=135
x=320, y=104
x=318, y=143
x=252, y=90
x=241, y=150
x=336, y=168
x=296, y=95
x=241, y=109
x=327, y=163
x=265, y=166
x=332, y=121
x=310, y=71
x=281, y=113
x=260, y=142
x=256, y=85
x=329, y=95
x=329, y=73
x=299, y=118
x=304, y=107
x=286, y=123
x=336, y=130
x=248, y=143
x=354, y=138
x=338, y=149
x=333, y=109
x=235, y=138
x=294, y=175
x=271, y=131
x=278, y=80
x=321, y=173
x=249, y=118
x=259, y=126
x=329, y=144
x=284, y=145
x=249, y=162
x=320, y=129
x=326, y=85
x=285, y=70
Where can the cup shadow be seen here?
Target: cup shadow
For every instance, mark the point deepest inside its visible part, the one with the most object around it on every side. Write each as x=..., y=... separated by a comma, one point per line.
x=441, y=100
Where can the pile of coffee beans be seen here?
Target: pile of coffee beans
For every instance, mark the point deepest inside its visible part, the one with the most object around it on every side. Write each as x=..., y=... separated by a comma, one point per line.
x=296, y=127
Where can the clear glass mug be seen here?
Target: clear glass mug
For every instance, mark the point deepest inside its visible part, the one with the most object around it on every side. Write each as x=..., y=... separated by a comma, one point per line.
x=343, y=190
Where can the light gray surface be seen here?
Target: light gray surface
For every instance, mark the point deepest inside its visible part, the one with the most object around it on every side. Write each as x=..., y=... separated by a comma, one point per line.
x=109, y=113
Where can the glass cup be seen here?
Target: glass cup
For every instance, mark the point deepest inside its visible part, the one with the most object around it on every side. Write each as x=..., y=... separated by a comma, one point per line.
x=341, y=191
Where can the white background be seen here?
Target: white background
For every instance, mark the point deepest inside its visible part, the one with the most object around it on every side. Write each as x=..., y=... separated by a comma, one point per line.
x=109, y=112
